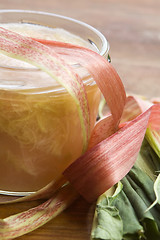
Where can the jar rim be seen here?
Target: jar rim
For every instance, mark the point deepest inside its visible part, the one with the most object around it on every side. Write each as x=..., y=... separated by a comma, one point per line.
x=100, y=38
x=105, y=45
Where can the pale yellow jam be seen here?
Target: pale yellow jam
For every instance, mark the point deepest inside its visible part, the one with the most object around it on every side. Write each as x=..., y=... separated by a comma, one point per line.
x=40, y=131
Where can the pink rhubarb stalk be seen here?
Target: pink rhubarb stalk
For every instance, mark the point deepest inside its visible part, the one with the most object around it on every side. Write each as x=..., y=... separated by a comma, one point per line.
x=104, y=128
x=25, y=222
x=109, y=161
x=100, y=69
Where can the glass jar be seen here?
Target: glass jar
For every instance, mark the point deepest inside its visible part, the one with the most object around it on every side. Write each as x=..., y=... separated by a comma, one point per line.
x=40, y=131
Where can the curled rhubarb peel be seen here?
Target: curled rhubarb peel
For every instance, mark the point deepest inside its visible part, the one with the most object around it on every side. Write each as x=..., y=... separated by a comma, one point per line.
x=109, y=161
x=100, y=69
x=104, y=128
x=25, y=222
x=106, y=79
x=131, y=109
x=41, y=56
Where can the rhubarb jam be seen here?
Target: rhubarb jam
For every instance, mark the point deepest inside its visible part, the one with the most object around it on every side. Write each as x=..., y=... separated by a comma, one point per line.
x=40, y=129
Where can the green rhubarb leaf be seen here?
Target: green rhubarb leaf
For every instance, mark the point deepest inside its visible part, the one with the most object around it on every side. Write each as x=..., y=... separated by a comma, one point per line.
x=109, y=223
x=148, y=161
x=157, y=193
x=116, y=219
x=144, y=199
x=151, y=229
x=131, y=225
x=140, y=181
x=140, y=200
x=132, y=197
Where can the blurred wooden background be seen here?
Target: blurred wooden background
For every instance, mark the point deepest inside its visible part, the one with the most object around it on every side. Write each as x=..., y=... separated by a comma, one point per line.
x=133, y=31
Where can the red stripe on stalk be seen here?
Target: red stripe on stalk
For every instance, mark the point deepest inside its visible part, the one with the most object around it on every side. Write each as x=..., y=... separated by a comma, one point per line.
x=109, y=161
x=100, y=69
x=25, y=222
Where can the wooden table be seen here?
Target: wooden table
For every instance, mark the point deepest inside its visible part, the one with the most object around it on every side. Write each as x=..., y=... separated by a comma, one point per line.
x=133, y=30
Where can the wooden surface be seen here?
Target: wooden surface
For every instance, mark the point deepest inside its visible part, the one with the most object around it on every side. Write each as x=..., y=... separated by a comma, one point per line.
x=133, y=30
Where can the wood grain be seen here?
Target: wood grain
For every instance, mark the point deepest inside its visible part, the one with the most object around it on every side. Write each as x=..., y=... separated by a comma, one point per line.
x=133, y=30
x=74, y=223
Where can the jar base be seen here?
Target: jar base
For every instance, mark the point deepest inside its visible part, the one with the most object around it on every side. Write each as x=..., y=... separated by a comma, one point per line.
x=15, y=194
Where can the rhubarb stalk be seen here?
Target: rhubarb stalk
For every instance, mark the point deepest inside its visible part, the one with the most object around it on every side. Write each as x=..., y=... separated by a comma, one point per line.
x=22, y=223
